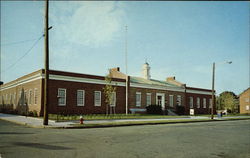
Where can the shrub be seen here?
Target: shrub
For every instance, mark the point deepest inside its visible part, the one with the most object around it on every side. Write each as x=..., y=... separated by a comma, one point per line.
x=35, y=113
x=154, y=109
x=30, y=113
x=180, y=110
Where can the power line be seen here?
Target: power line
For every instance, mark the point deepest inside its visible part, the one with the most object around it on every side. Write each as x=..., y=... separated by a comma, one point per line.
x=18, y=42
x=23, y=55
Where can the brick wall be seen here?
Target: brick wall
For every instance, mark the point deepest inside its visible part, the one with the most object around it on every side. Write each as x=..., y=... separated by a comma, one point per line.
x=245, y=101
x=71, y=98
x=22, y=97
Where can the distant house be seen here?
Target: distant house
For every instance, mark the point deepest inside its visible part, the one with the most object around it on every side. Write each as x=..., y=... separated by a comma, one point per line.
x=74, y=93
x=244, y=102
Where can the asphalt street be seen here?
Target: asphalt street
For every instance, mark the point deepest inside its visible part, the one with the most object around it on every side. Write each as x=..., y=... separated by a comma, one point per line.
x=227, y=139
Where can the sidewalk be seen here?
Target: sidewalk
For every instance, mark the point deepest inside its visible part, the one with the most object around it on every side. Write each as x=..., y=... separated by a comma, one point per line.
x=38, y=122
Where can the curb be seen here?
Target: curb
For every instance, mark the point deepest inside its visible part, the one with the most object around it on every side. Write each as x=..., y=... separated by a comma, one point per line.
x=142, y=124
x=118, y=125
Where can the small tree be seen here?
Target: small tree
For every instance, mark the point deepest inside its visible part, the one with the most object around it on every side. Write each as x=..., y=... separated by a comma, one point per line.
x=109, y=91
x=228, y=100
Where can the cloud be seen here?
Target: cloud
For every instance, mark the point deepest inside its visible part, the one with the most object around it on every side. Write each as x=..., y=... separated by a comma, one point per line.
x=91, y=24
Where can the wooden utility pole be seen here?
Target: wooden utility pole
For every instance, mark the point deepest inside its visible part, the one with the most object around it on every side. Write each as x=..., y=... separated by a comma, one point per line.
x=126, y=66
x=213, y=99
x=46, y=63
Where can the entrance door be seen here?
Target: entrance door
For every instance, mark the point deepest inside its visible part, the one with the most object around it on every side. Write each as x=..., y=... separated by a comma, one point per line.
x=160, y=100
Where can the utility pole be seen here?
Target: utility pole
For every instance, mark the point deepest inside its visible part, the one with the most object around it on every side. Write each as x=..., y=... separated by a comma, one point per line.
x=126, y=65
x=46, y=63
x=213, y=101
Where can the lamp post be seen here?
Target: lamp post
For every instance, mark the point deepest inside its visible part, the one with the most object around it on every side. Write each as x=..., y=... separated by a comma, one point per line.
x=213, y=99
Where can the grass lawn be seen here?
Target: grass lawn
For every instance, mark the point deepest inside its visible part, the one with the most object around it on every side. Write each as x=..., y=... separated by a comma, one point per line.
x=105, y=117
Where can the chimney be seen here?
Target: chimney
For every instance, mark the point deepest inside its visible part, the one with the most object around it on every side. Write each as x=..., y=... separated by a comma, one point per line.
x=171, y=78
x=115, y=69
x=146, y=71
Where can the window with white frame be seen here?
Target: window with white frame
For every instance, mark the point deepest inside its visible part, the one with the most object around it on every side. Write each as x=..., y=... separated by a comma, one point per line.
x=198, y=102
x=148, y=99
x=20, y=95
x=247, y=107
x=35, y=96
x=14, y=98
x=171, y=100
x=210, y=103
x=25, y=99
x=247, y=100
x=113, y=99
x=191, y=102
x=20, y=98
x=30, y=96
x=98, y=98
x=80, y=97
x=6, y=97
x=204, y=103
x=138, y=98
x=61, y=96
x=2, y=99
x=11, y=98
x=179, y=100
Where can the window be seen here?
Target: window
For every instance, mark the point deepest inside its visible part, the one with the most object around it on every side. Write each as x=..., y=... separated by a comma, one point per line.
x=198, y=102
x=6, y=96
x=138, y=98
x=80, y=97
x=113, y=99
x=11, y=98
x=247, y=100
x=61, y=97
x=30, y=97
x=204, y=103
x=148, y=99
x=171, y=100
x=179, y=100
x=191, y=102
x=35, y=96
x=20, y=100
x=210, y=103
x=25, y=98
x=247, y=107
x=14, y=98
x=97, y=98
x=20, y=94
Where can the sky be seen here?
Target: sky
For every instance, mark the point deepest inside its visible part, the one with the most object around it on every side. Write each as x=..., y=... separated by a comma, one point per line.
x=180, y=39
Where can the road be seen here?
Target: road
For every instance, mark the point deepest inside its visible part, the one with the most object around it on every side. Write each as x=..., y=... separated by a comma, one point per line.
x=227, y=139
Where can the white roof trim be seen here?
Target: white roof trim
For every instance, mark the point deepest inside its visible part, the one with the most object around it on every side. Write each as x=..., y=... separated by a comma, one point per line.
x=20, y=82
x=137, y=85
x=198, y=92
x=84, y=80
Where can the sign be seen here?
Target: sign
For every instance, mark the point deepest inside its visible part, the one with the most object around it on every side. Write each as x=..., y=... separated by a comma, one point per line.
x=191, y=111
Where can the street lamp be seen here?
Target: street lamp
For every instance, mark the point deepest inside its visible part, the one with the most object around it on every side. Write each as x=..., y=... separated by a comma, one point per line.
x=213, y=76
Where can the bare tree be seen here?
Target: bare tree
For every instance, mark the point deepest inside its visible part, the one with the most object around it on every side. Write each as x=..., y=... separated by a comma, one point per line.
x=109, y=91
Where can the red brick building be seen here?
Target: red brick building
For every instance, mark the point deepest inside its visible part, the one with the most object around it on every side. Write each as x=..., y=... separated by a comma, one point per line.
x=245, y=101
x=74, y=93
